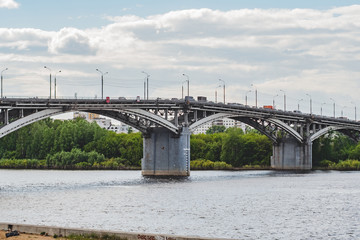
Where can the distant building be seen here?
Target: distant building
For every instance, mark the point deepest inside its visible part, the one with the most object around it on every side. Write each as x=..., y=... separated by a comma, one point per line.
x=104, y=123
x=226, y=122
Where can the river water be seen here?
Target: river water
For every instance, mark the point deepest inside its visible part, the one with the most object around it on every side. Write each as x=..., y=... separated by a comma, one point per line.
x=219, y=204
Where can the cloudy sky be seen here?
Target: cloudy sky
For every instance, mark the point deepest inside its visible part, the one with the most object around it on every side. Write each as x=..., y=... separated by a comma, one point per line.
x=304, y=48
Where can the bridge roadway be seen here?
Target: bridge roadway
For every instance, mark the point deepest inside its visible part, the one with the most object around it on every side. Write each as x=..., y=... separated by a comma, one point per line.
x=167, y=124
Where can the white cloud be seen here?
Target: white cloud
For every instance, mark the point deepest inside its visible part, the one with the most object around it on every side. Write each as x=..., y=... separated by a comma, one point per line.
x=9, y=4
x=71, y=41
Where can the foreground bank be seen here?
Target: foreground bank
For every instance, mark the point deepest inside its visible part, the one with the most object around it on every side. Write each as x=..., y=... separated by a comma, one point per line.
x=66, y=232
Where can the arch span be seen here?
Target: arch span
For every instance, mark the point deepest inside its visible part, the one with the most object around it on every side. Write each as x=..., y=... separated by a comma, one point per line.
x=29, y=119
x=331, y=128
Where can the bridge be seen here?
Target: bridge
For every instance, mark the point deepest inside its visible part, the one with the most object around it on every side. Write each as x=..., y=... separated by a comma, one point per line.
x=167, y=124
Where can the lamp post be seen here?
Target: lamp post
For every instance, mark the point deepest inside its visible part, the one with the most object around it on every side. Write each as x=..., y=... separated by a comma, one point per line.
x=333, y=105
x=147, y=86
x=216, y=93
x=55, y=84
x=246, y=97
x=274, y=100
x=321, y=108
x=223, y=88
x=2, y=81
x=102, y=82
x=310, y=102
x=255, y=94
x=355, y=109
x=299, y=104
x=284, y=99
x=182, y=89
x=187, y=80
x=342, y=111
x=50, y=80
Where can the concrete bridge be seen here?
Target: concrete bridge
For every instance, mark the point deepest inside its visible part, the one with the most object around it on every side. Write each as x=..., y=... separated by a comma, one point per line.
x=167, y=124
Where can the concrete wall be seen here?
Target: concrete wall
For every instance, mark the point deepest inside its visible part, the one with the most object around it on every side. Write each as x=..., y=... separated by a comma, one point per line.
x=51, y=231
x=166, y=154
x=289, y=154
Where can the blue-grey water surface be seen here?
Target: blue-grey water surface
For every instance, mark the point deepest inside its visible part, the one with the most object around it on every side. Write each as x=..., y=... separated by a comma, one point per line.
x=219, y=204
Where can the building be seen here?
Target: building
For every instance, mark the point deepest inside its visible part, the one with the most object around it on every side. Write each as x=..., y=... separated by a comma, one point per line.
x=104, y=123
x=227, y=122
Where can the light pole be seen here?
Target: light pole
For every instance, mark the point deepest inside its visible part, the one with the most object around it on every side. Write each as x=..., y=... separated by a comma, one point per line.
x=147, y=85
x=182, y=89
x=187, y=80
x=246, y=97
x=321, y=108
x=102, y=82
x=284, y=99
x=342, y=111
x=55, y=83
x=223, y=87
x=2, y=81
x=355, y=109
x=50, y=80
x=310, y=102
x=255, y=94
x=333, y=105
x=274, y=100
x=299, y=104
x=216, y=93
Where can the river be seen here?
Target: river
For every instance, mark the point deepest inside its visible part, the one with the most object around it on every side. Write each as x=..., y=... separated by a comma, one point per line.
x=218, y=204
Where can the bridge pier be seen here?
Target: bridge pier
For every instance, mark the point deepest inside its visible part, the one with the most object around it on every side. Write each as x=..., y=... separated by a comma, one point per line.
x=290, y=154
x=165, y=153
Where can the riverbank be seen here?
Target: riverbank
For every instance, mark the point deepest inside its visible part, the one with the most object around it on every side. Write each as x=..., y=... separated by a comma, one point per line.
x=46, y=233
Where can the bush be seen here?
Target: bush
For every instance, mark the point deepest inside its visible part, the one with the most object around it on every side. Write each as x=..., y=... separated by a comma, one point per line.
x=203, y=164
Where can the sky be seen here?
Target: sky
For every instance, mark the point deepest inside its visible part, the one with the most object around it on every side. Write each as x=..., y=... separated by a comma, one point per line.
x=301, y=49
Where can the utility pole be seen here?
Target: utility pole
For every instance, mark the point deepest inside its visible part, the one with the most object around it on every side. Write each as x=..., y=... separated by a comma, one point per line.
x=2, y=81
x=50, y=80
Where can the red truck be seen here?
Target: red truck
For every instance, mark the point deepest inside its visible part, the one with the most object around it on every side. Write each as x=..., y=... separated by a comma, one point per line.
x=268, y=107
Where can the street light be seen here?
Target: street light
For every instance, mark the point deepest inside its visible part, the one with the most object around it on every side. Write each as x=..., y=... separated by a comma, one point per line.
x=2, y=81
x=182, y=89
x=342, y=111
x=55, y=83
x=274, y=100
x=284, y=99
x=147, y=85
x=299, y=104
x=216, y=93
x=355, y=109
x=255, y=94
x=246, y=97
x=223, y=87
x=50, y=80
x=187, y=80
x=310, y=102
x=321, y=108
x=333, y=105
x=102, y=82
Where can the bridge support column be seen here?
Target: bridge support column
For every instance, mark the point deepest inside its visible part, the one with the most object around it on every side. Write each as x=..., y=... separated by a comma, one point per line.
x=166, y=154
x=289, y=154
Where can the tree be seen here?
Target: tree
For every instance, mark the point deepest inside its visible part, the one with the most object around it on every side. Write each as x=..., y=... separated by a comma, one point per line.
x=215, y=129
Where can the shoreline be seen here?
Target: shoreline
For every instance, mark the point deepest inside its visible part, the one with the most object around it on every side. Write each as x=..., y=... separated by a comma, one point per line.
x=61, y=233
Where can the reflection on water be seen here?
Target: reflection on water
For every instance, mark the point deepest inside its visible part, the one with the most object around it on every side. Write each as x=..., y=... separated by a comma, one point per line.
x=240, y=205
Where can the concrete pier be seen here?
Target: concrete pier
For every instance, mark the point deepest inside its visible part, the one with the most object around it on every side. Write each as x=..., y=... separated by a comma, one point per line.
x=290, y=154
x=166, y=154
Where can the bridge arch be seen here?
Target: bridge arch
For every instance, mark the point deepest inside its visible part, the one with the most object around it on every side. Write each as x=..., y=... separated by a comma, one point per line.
x=342, y=129
x=136, y=118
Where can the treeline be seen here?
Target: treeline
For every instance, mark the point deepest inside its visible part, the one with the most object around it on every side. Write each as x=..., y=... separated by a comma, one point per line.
x=77, y=144
x=70, y=144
